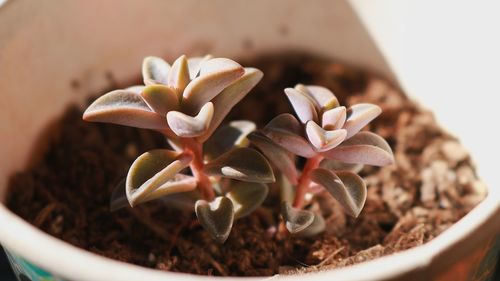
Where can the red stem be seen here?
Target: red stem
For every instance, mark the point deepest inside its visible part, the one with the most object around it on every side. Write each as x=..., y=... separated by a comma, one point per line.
x=196, y=166
x=305, y=181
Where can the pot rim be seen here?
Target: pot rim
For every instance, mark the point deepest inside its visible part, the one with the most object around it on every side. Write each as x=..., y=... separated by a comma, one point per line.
x=46, y=251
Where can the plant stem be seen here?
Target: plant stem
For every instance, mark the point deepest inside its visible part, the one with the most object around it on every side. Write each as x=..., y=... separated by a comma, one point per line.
x=196, y=166
x=305, y=181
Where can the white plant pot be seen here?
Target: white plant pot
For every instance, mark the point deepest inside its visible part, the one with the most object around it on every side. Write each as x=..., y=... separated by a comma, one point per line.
x=45, y=45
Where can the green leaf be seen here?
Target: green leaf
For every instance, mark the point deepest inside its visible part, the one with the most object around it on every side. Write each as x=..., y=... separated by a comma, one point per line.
x=153, y=174
x=124, y=107
x=215, y=75
x=364, y=148
x=186, y=126
x=276, y=154
x=296, y=220
x=242, y=163
x=216, y=217
x=302, y=104
x=224, y=139
x=323, y=140
x=346, y=187
x=246, y=197
x=155, y=71
x=317, y=226
x=230, y=96
x=358, y=116
x=160, y=98
x=178, y=77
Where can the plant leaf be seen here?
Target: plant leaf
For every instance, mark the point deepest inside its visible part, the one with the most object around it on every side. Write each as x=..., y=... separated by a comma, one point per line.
x=284, y=130
x=178, y=76
x=160, y=98
x=155, y=169
x=340, y=166
x=246, y=197
x=359, y=115
x=180, y=183
x=136, y=89
x=216, y=217
x=323, y=98
x=215, y=75
x=346, y=187
x=227, y=137
x=302, y=104
x=242, y=163
x=230, y=96
x=334, y=119
x=296, y=220
x=278, y=156
x=155, y=71
x=195, y=63
x=124, y=107
x=186, y=126
x=324, y=140
x=317, y=226
x=364, y=148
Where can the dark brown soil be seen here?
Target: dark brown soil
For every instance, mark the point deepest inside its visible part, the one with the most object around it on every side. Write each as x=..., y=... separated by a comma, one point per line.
x=432, y=186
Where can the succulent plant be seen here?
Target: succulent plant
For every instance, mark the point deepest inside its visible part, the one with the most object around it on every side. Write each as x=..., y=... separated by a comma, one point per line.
x=329, y=136
x=187, y=102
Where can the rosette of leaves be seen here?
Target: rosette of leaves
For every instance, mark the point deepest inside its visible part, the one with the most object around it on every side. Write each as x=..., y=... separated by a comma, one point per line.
x=186, y=102
x=329, y=137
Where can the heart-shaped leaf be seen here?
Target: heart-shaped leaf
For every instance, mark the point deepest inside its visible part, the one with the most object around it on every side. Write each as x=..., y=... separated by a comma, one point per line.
x=227, y=137
x=154, y=169
x=302, y=104
x=334, y=119
x=216, y=217
x=323, y=98
x=346, y=187
x=364, y=148
x=186, y=126
x=284, y=130
x=155, y=71
x=246, y=197
x=317, y=226
x=178, y=76
x=194, y=65
x=242, y=163
x=160, y=98
x=124, y=107
x=296, y=220
x=340, y=166
x=324, y=140
x=278, y=156
x=230, y=96
x=359, y=115
x=215, y=75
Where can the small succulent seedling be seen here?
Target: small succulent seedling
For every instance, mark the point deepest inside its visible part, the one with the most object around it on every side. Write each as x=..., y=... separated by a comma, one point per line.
x=328, y=136
x=187, y=102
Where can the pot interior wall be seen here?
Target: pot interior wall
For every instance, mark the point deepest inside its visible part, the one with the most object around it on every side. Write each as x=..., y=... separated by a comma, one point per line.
x=62, y=51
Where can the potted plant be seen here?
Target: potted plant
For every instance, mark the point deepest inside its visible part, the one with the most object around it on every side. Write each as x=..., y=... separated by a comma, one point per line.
x=31, y=249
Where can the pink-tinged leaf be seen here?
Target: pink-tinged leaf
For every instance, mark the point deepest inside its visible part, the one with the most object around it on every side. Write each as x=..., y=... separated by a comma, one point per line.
x=227, y=137
x=160, y=98
x=230, y=96
x=334, y=119
x=324, y=140
x=278, y=156
x=346, y=187
x=340, y=166
x=243, y=164
x=359, y=115
x=178, y=76
x=215, y=75
x=323, y=98
x=153, y=170
x=155, y=71
x=179, y=183
x=363, y=148
x=124, y=107
x=216, y=217
x=186, y=126
x=302, y=104
x=285, y=131
x=195, y=64
x=136, y=89
x=296, y=220
x=246, y=197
